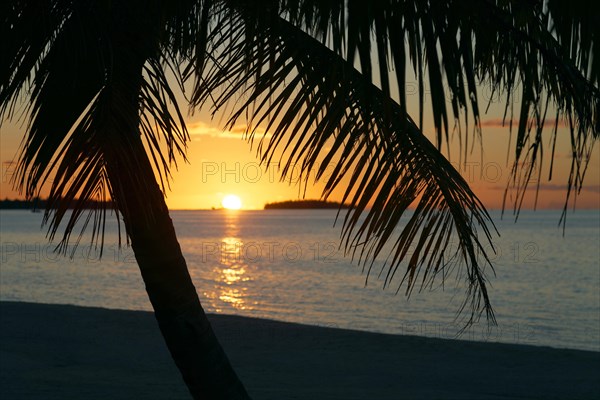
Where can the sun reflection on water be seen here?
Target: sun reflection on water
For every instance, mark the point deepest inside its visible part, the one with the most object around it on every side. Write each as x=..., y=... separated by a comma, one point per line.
x=232, y=271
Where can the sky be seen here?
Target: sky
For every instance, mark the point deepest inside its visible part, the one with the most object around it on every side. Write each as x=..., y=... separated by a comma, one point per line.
x=222, y=162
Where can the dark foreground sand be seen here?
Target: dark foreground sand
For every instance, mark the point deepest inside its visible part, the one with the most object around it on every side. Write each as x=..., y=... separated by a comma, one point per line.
x=67, y=352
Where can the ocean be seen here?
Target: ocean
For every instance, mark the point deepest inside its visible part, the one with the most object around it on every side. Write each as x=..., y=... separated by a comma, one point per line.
x=287, y=265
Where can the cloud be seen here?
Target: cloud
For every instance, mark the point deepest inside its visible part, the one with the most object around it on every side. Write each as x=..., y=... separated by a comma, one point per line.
x=554, y=187
x=200, y=129
x=500, y=123
x=557, y=187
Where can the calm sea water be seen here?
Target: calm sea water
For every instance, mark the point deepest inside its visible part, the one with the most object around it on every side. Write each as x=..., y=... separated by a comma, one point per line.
x=286, y=265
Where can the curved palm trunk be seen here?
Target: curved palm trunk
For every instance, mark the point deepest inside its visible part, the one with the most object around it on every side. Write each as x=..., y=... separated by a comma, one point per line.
x=182, y=321
x=187, y=332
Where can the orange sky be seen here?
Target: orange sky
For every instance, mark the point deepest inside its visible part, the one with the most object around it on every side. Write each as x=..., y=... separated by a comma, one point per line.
x=221, y=163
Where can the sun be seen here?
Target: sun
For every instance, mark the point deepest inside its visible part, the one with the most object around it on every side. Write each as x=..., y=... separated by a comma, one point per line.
x=231, y=202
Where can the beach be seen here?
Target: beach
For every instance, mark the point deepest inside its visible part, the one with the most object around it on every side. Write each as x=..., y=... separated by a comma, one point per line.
x=71, y=352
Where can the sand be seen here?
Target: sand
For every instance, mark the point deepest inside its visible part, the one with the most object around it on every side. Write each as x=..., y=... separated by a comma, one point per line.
x=68, y=352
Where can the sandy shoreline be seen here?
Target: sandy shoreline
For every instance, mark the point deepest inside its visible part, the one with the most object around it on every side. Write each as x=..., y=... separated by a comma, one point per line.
x=69, y=352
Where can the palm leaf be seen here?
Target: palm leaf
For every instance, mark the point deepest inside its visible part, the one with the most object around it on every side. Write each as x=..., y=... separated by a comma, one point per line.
x=295, y=64
x=318, y=100
x=72, y=72
x=538, y=53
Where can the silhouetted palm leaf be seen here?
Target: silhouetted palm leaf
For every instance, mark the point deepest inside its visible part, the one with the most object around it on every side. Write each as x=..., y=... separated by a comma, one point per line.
x=320, y=109
x=325, y=111
x=62, y=59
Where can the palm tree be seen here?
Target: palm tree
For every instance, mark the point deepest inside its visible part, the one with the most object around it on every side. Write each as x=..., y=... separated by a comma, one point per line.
x=92, y=78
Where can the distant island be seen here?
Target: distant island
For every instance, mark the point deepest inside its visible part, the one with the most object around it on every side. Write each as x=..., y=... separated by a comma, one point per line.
x=304, y=204
x=40, y=204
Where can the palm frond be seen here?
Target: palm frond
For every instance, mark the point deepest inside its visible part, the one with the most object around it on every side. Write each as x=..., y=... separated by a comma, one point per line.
x=318, y=108
x=539, y=54
x=323, y=72
x=72, y=73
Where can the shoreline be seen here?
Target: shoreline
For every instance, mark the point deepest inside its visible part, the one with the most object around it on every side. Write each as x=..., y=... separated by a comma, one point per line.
x=63, y=351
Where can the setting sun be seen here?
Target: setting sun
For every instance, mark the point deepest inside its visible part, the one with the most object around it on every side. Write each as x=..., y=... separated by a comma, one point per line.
x=231, y=202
